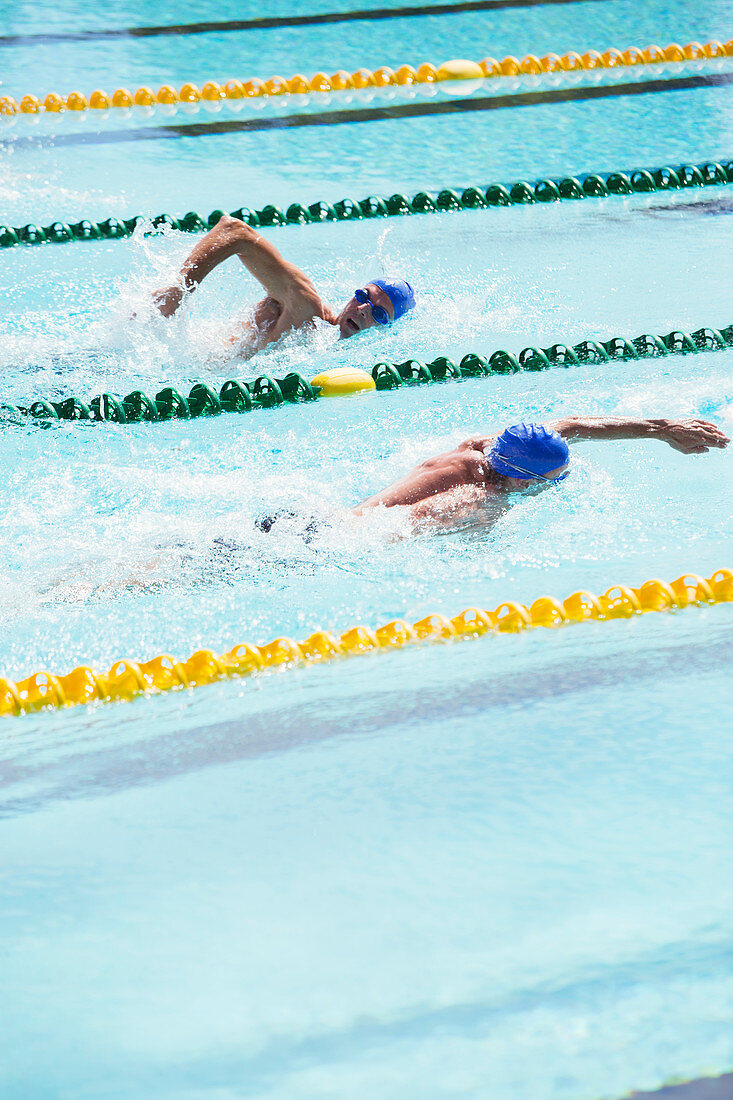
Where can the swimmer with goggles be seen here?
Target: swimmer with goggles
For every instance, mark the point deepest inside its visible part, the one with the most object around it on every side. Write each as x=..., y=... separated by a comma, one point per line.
x=292, y=301
x=493, y=470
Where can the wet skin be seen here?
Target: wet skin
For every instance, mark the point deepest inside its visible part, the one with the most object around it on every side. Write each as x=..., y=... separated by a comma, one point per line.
x=292, y=301
x=463, y=477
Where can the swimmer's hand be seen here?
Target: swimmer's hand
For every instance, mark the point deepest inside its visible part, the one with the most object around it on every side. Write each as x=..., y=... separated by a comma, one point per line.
x=692, y=437
x=168, y=299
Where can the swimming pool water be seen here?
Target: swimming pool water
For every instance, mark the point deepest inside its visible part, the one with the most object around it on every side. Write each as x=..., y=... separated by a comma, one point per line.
x=494, y=869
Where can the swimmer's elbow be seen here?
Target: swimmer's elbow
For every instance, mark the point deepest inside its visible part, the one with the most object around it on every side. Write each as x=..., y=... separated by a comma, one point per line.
x=568, y=427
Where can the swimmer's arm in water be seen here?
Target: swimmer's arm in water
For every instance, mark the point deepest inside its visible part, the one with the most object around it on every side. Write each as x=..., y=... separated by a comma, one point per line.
x=285, y=283
x=252, y=334
x=688, y=436
x=454, y=507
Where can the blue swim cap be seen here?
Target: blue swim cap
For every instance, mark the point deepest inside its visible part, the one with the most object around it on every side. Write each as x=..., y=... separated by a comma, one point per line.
x=399, y=292
x=533, y=447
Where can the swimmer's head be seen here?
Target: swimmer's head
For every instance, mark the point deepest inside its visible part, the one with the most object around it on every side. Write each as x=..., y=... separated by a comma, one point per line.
x=380, y=302
x=530, y=452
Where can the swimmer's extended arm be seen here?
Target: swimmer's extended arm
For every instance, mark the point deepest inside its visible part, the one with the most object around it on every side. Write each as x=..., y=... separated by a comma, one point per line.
x=283, y=281
x=687, y=436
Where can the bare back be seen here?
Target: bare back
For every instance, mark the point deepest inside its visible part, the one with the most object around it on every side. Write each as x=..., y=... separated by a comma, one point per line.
x=448, y=487
x=436, y=475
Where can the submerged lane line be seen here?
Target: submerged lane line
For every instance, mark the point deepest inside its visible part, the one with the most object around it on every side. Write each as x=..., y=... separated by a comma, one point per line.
x=279, y=724
x=702, y=1088
x=127, y=679
x=374, y=114
x=362, y=15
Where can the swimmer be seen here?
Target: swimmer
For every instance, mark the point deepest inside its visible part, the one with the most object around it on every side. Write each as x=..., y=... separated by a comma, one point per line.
x=473, y=484
x=479, y=476
x=292, y=302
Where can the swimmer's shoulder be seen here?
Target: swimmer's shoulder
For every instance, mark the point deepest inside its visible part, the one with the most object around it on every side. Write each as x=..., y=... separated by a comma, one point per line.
x=476, y=467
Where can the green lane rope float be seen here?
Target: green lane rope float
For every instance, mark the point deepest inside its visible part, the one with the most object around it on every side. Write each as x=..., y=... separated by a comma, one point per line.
x=266, y=392
x=169, y=403
x=473, y=197
x=459, y=69
x=127, y=679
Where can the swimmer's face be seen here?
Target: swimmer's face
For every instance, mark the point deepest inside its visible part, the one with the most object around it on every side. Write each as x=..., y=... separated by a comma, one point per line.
x=355, y=318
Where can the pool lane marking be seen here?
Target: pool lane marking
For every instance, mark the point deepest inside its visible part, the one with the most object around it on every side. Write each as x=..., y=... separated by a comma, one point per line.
x=127, y=679
x=702, y=1088
x=265, y=23
x=374, y=114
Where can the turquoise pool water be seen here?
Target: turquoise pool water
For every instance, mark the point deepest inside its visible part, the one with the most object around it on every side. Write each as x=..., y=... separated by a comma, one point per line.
x=495, y=869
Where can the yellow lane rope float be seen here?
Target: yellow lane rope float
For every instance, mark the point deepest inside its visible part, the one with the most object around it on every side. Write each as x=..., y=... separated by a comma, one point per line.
x=426, y=73
x=127, y=679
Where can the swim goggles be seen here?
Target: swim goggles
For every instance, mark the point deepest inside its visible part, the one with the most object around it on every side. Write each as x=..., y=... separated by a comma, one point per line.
x=531, y=473
x=379, y=314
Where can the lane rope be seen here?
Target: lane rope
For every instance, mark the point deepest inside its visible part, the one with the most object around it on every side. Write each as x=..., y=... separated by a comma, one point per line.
x=266, y=392
x=412, y=106
x=127, y=679
x=640, y=181
x=341, y=81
